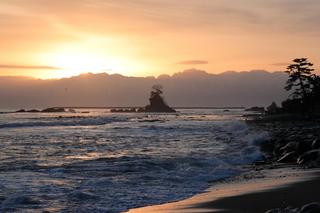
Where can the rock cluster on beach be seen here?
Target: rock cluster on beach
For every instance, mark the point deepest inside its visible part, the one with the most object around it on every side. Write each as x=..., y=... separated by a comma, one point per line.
x=294, y=142
x=308, y=208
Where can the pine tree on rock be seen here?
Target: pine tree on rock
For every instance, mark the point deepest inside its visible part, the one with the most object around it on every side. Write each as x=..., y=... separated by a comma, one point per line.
x=300, y=76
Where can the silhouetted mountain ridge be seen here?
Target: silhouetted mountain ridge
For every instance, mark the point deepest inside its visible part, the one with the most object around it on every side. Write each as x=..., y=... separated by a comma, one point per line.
x=188, y=88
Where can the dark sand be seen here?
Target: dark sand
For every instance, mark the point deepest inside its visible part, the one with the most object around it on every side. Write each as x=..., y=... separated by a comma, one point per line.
x=252, y=192
x=294, y=195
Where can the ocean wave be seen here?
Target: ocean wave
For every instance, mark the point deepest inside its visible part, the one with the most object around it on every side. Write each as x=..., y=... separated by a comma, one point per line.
x=126, y=165
x=67, y=121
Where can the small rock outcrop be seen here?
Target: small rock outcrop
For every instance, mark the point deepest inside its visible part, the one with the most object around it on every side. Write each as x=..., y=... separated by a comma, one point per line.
x=48, y=110
x=125, y=110
x=54, y=109
x=308, y=208
x=31, y=111
x=157, y=103
x=255, y=109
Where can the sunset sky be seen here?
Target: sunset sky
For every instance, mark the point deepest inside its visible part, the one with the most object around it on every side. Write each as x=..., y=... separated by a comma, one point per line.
x=60, y=38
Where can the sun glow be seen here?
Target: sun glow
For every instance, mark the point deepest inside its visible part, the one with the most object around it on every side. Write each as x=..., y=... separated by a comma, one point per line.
x=76, y=63
x=73, y=61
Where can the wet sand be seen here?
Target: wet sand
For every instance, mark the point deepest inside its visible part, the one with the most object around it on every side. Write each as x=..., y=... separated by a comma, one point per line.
x=256, y=191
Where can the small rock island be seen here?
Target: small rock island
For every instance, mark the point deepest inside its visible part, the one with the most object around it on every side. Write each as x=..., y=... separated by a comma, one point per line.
x=157, y=103
x=47, y=110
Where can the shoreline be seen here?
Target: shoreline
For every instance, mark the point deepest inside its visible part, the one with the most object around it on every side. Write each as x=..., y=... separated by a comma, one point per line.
x=253, y=191
x=278, y=181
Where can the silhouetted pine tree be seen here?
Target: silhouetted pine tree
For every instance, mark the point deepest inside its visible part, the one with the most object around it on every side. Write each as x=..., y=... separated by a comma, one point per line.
x=305, y=86
x=300, y=77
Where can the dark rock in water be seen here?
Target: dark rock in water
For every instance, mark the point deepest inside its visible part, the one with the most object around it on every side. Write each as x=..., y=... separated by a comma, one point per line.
x=33, y=110
x=129, y=110
x=152, y=120
x=309, y=156
x=256, y=109
x=140, y=110
x=72, y=111
x=21, y=110
x=157, y=103
x=116, y=110
x=315, y=144
x=273, y=109
x=310, y=208
x=158, y=108
x=288, y=157
x=54, y=109
x=132, y=110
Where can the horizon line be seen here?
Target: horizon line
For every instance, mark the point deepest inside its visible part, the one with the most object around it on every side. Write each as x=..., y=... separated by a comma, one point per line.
x=147, y=76
x=176, y=107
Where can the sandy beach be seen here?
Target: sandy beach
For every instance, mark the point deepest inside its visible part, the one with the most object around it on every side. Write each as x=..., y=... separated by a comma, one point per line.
x=255, y=191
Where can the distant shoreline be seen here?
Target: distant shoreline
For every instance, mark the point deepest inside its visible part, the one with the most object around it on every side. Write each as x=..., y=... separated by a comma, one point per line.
x=8, y=111
x=178, y=107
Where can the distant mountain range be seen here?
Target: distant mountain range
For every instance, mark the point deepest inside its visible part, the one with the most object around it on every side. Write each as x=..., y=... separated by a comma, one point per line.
x=188, y=88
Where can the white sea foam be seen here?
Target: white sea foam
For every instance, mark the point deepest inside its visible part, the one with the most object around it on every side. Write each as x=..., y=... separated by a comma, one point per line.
x=61, y=121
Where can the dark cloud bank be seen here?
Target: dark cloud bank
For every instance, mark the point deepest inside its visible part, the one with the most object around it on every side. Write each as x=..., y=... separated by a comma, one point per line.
x=188, y=88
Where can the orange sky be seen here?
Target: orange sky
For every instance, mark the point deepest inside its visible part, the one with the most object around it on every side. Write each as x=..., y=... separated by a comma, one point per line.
x=59, y=38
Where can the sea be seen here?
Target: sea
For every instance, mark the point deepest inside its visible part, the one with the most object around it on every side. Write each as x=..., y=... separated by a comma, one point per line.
x=97, y=161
